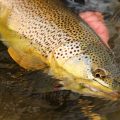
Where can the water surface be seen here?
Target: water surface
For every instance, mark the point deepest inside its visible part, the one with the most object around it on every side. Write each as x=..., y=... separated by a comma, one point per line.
x=22, y=95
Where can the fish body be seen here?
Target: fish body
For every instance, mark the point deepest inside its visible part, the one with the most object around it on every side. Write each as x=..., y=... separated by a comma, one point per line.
x=45, y=34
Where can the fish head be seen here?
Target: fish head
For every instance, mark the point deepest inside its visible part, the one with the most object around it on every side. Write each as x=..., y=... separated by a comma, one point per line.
x=93, y=67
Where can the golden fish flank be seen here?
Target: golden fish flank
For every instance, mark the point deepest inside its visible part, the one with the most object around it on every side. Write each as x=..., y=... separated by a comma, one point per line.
x=42, y=33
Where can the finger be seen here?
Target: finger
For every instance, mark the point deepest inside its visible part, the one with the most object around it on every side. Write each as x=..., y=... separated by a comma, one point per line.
x=96, y=22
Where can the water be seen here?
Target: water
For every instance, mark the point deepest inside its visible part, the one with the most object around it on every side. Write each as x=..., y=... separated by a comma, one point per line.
x=22, y=95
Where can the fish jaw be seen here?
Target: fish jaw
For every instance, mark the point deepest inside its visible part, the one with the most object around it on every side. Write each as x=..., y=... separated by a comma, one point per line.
x=91, y=88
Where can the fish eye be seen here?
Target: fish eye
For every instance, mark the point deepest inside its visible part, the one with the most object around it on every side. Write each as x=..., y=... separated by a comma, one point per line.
x=99, y=73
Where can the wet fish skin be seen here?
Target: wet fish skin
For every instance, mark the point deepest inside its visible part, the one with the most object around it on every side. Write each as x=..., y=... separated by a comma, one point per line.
x=42, y=34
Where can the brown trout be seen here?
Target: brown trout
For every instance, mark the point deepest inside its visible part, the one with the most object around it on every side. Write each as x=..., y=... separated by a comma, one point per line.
x=44, y=34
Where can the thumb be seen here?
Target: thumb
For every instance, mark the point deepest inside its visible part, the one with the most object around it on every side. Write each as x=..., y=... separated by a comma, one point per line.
x=96, y=21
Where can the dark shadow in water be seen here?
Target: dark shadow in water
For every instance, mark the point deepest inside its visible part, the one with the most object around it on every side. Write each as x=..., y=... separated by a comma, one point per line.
x=22, y=96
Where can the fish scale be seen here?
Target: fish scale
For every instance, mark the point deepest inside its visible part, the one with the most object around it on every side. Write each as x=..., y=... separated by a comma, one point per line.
x=41, y=29
x=44, y=33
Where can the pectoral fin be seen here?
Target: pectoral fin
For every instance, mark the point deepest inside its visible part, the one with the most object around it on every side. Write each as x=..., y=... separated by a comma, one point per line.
x=29, y=60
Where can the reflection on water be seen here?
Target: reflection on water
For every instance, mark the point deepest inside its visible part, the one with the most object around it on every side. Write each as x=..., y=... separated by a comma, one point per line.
x=22, y=95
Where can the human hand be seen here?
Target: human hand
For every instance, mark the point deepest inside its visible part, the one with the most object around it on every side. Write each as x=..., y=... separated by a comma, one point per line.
x=96, y=21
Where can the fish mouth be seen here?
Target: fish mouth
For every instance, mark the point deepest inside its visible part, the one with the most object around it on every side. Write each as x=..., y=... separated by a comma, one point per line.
x=101, y=91
x=94, y=88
